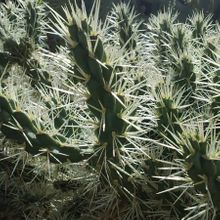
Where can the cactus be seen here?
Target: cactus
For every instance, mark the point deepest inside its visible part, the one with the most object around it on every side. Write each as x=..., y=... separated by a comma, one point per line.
x=198, y=152
x=161, y=27
x=20, y=49
x=147, y=129
x=201, y=25
x=194, y=145
x=90, y=57
x=19, y=126
x=124, y=19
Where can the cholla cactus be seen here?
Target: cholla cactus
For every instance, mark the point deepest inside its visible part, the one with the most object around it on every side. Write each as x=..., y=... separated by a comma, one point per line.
x=201, y=26
x=106, y=97
x=124, y=20
x=193, y=156
x=121, y=146
x=139, y=138
x=18, y=125
x=19, y=47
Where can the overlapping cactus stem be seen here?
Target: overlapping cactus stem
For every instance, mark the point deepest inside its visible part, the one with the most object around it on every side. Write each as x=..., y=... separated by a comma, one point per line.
x=202, y=164
x=215, y=107
x=211, y=77
x=210, y=69
x=206, y=41
x=182, y=69
x=215, y=98
x=205, y=38
x=174, y=41
x=177, y=50
x=183, y=74
x=22, y=55
x=34, y=17
x=87, y=51
x=180, y=39
x=59, y=110
x=210, y=50
x=201, y=26
x=20, y=52
x=169, y=111
x=35, y=27
x=161, y=28
x=209, y=60
x=126, y=26
x=19, y=126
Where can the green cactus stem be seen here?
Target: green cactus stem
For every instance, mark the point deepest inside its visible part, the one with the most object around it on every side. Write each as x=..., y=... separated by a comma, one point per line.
x=18, y=50
x=184, y=75
x=19, y=126
x=201, y=25
x=168, y=109
x=61, y=117
x=201, y=166
x=161, y=27
x=21, y=54
x=124, y=15
x=88, y=54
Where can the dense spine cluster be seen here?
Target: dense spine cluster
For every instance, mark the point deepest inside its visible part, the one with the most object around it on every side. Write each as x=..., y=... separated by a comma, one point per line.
x=101, y=77
x=19, y=126
x=140, y=109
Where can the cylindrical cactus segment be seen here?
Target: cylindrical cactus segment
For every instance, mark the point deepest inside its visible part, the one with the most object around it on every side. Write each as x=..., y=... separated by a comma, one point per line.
x=57, y=151
x=162, y=29
x=19, y=49
x=90, y=57
x=33, y=16
x=5, y=109
x=200, y=166
x=178, y=39
x=62, y=118
x=124, y=15
x=88, y=53
x=201, y=25
x=20, y=53
x=184, y=75
x=17, y=125
x=168, y=109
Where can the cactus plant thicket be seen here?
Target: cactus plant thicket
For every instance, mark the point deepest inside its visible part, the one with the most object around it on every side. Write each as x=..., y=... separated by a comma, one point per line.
x=204, y=134
x=20, y=50
x=126, y=120
x=112, y=108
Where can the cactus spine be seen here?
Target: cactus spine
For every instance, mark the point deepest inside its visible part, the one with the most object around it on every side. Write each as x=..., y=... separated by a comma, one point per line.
x=100, y=77
x=156, y=138
x=19, y=126
x=20, y=51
